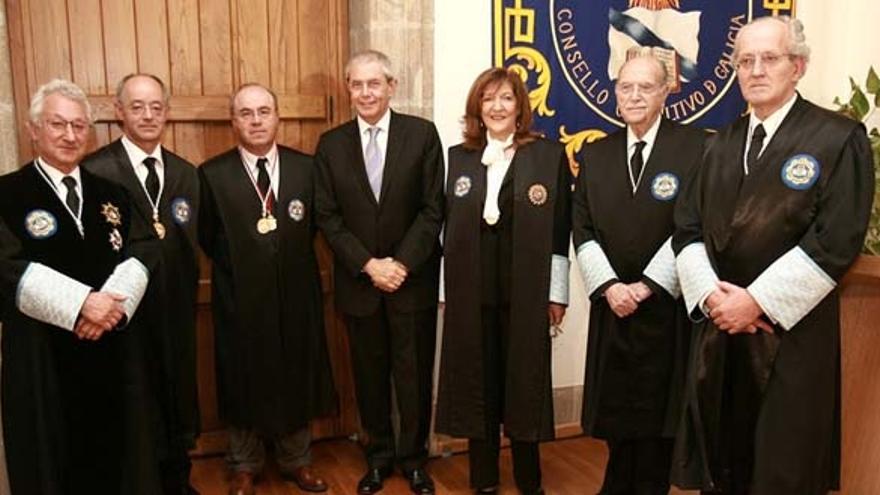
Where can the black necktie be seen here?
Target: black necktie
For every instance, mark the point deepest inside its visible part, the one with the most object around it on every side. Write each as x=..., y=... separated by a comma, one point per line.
x=152, y=182
x=755, y=147
x=264, y=184
x=72, y=198
x=637, y=162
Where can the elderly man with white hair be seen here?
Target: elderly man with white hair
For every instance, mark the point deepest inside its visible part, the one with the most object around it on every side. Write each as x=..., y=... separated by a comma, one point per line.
x=768, y=227
x=70, y=252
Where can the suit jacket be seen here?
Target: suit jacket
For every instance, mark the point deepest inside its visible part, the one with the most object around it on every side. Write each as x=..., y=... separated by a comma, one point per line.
x=403, y=224
x=167, y=319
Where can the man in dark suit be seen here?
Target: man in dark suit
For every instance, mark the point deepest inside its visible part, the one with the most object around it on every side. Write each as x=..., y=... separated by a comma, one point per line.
x=622, y=225
x=65, y=374
x=164, y=192
x=379, y=201
x=257, y=225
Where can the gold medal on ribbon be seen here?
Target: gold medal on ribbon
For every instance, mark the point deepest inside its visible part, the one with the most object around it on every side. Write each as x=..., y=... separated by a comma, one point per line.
x=158, y=227
x=267, y=224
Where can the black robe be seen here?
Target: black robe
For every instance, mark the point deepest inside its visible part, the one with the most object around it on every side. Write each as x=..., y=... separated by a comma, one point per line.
x=166, y=319
x=793, y=376
x=273, y=371
x=635, y=365
x=65, y=399
x=11, y=268
x=540, y=229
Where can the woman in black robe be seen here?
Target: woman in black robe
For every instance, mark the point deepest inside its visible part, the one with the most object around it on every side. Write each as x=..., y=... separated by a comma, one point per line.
x=506, y=279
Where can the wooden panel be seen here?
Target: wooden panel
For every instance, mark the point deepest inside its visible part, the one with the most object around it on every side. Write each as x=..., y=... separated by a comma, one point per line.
x=120, y=46
x=186, y=76
x=860, y=365
x=216, y=108
x=152, y=38
x=50, y=38
x=284, y=58
x=252, y=37
x=87, y=48
x=217, y=74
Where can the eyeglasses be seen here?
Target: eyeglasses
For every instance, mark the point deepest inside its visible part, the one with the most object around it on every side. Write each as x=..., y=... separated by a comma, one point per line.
x=59, y=126
x=139, y=108
x=645, y=89
x=767, y=60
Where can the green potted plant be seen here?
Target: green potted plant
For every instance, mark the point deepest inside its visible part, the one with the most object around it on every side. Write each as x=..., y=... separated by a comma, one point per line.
x=862, y=106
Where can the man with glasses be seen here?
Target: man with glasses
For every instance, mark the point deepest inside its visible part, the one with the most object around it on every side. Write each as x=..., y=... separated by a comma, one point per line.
x=622, y=226
x=379, y=201
x=66, y=375
x=258, y=225
x=773, y=219
x=163, y=188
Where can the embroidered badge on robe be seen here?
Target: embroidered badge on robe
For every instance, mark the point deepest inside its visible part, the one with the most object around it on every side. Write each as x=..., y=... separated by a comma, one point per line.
x=181, y=211
x=114, y=218
x=800, y=172
x=664, y=186
x=462, y=186
x=537, y=194
x=296, y=209
x=40, y=224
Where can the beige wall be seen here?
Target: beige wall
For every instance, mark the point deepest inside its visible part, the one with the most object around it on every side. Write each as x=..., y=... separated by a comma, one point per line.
x=8, y=141
x=404, y=30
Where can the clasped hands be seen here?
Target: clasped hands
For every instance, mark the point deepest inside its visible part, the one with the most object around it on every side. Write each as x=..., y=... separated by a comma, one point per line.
x=100, y=313
x=387, y=274
x=624, y=299
x=734, y=310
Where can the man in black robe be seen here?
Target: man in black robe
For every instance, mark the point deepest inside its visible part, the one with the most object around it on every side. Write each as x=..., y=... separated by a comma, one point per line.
x=257, y=225
x=379, y=201
x=164, y=192
x=65, y=380
x=622, y=228
x=769, y=225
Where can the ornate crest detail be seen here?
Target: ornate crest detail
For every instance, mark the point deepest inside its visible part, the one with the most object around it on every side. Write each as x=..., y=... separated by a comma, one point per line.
x=800, y=172
x=40, y=224
x=116, y=240
x=111, y=214
x=296, y=209
x=664, y=186
x=537, y=194
x=181, y=211
x=462, y=186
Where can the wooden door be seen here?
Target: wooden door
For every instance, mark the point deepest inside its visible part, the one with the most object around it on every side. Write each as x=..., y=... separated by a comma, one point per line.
x=202, y=49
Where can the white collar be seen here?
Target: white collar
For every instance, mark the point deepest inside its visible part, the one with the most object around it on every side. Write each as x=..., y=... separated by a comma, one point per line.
x=648, y=138
x=383, y=123
x=774, y=120
x=250, y=159
x=495, y=150
x=136, y=154
x=56, y=175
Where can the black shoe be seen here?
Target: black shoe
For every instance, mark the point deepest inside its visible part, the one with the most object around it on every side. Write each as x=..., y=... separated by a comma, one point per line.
x=487, y=489
x=420, y=482
x=373, y=480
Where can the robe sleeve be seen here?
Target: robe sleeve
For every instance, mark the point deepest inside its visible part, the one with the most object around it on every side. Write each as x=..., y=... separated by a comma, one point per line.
x=798, y=280
x=696, y=275
x=417, y=245
x=559, y=263
x=594, y=265
x=11, y=268
x=661, y=271
x=347, y=248
x=130, y=279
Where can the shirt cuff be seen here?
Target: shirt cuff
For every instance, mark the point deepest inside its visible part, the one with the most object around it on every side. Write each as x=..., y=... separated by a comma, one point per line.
x=559, y=267
x=791, y=287
x=594, y=265
x=129, y=279
x=662, y=270
x=697, y=278
x=50, y=296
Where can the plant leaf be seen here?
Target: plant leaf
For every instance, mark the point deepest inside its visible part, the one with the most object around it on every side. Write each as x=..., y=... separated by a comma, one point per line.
x=872, y=84
x=859, y=103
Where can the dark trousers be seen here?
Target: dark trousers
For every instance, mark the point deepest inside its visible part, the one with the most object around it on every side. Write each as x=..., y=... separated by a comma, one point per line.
x=638, y=466
x=386, y=346
x=484, y=452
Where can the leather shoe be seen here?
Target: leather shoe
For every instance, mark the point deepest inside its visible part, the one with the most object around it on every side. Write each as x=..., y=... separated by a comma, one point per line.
x=307, y=479
x=373, y=480
x=242, y=483
x=487, y=489
x=420, y=482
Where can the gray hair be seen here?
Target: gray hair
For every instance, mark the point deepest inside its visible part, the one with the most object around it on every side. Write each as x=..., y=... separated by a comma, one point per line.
x=368, y=56
x=251, y=85
x=166, y=94
x=797, y=41
x=61, y=87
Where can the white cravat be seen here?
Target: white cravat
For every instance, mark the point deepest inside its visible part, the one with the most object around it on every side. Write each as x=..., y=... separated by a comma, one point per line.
x=496, y=159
